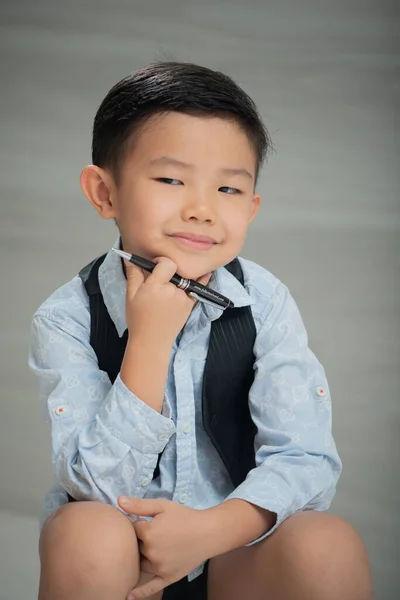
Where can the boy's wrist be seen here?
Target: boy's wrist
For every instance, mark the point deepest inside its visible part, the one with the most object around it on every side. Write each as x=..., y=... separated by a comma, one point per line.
x=144, y=370
x=147, y=345
x=235, y=523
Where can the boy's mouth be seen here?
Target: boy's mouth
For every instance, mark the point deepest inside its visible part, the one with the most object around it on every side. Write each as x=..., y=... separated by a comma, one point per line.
x=194, y=240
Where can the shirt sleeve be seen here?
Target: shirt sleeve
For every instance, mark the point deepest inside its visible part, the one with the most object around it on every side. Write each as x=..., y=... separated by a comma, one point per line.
x=105, y=440
x=297, y=465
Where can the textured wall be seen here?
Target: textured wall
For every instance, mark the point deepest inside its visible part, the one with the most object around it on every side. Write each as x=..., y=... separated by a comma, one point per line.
x=323, y=75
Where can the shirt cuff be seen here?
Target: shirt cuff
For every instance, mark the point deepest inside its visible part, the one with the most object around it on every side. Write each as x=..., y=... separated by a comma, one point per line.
x=272, y=501
x=134, y=422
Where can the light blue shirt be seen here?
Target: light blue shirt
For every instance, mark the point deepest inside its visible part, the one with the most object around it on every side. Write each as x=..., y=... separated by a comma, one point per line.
x=106, y=440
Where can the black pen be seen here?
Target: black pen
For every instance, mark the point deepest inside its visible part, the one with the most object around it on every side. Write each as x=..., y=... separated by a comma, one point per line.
x=196, y=290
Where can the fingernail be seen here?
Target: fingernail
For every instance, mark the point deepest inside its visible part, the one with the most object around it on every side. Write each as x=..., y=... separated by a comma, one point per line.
x=124, y=500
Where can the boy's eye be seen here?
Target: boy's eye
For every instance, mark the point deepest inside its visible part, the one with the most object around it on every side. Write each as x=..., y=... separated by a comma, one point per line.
x=229, y=190
x=169, y=181
x=224, y=189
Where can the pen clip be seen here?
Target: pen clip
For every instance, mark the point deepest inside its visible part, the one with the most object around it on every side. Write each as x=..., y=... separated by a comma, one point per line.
x=200, y=299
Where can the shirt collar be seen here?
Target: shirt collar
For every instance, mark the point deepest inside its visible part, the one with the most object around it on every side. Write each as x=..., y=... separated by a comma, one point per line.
x=225, y=283
x=112, y=283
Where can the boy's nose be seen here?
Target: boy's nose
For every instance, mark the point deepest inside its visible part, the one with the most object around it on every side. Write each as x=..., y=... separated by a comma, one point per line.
x=200, y=209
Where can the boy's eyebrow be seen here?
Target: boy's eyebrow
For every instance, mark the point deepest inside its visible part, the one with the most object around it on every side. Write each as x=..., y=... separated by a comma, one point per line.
x=170, y=160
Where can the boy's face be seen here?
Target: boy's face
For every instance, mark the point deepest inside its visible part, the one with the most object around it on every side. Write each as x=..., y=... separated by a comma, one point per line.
x=186, y=191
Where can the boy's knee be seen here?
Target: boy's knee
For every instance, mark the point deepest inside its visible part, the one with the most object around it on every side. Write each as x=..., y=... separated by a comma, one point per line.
x=86, y=542
x=326, y=546
x=317, y=534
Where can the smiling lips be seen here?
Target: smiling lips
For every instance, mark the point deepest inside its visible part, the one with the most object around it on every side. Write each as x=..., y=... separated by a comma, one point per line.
x=192, y=240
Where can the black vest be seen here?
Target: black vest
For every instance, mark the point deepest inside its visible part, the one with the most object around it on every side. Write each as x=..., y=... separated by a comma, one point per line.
x=228, y=373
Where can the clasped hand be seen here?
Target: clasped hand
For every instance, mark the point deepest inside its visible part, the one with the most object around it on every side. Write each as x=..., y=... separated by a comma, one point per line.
x=171, y=545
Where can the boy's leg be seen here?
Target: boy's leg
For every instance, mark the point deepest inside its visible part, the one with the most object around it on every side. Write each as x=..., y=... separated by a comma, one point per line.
x=311, y=556
x=88, y=551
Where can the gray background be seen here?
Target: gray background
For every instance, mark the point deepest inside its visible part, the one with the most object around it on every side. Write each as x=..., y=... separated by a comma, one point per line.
x=324, y=76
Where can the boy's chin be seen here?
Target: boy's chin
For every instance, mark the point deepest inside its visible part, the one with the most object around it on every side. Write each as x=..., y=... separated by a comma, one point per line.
x=192, y=267
x=188, y=272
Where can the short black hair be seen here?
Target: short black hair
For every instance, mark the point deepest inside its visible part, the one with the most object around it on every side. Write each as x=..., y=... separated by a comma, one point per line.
x=171, y=86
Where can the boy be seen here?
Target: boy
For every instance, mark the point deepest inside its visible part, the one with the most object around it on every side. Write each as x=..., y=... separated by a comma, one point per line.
x=176, y=153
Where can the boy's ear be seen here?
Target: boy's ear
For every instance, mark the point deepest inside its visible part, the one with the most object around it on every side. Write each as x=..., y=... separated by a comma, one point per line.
x=98, y=187
x=255, y=205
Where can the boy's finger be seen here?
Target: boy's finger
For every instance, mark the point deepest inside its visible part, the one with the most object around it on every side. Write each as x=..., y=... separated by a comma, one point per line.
x=148, y=589
x=132, y=271
x=145, y=576
x=146, y=507
x=163, y=271
x=140, y=526
x=146, y=571
x=134, y=278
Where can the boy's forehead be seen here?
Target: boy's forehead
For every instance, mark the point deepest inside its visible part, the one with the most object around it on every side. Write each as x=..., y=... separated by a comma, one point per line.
x=165, y=136
x=180, y=121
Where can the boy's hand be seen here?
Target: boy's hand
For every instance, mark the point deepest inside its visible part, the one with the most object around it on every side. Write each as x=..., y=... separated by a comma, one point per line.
x=171, y=545
x=156, y=310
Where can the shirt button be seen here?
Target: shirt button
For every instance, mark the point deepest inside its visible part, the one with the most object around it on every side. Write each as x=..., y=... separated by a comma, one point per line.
x=163, y=436
x=60, y=410
x=321, y=392
x=183, y=498
x=145, y=482
x=186, y=428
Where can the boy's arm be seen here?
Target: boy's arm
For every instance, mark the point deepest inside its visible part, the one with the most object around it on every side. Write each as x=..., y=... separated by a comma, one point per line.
x=156, y=311
x=297, y=462
x=105, y=439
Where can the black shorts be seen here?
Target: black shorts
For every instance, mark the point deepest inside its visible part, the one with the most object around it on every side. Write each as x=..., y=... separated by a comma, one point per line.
x=185, y=590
